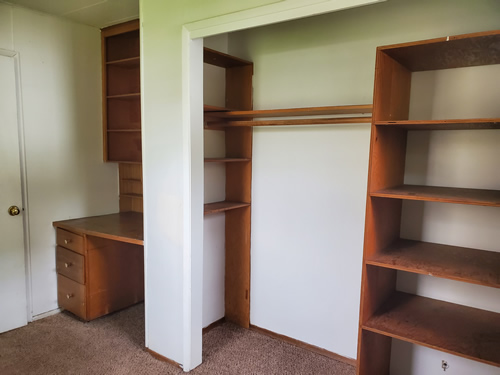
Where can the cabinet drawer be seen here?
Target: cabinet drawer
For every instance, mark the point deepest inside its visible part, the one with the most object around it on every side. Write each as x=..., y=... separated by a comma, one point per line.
x=70, y=264
x=71, y=296
x=70, y=240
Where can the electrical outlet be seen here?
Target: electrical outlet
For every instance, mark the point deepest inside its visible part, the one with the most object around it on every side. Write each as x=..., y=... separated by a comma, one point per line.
x=444, y=365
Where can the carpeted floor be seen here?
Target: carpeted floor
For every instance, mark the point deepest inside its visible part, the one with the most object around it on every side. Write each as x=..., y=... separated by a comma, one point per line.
x=60, y=344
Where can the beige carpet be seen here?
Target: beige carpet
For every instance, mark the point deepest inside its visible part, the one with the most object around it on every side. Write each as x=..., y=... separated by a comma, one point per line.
x=60, y=344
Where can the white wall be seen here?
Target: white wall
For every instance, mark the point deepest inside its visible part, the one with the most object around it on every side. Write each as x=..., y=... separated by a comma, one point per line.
x=309, y=184
x=61, y=93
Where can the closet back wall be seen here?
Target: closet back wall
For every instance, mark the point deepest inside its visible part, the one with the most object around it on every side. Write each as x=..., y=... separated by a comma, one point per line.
x=309, y=184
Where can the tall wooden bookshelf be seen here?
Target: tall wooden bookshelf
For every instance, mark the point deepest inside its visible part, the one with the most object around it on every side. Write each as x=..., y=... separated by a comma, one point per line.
x=386, y=313
x=238, y=165
x=122, y=109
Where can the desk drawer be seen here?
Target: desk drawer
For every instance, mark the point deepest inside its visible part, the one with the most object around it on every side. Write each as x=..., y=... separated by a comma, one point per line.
x=71, y=296
x=70, y=240
x=70, y=264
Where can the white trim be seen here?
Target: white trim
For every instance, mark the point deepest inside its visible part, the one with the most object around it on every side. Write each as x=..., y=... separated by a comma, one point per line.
x=285, y=10
x=46, y=314
x=24, y=179
x=187, y=269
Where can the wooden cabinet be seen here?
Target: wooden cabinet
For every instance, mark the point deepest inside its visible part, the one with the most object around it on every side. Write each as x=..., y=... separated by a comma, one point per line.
x=121, y=93
x=385, y=312
x=238, y=165
x=100, y=264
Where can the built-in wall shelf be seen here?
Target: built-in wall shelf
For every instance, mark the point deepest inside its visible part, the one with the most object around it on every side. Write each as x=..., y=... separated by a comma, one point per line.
x=456, y=329
x=131, y=62
x=445, y=261
x=124, y=96
x=248, y=118
x=458, y=124
x=478, y=197
x=216, y=207
x=226, y=160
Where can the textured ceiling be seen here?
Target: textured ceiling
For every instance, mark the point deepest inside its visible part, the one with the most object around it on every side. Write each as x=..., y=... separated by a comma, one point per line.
x=98, y=13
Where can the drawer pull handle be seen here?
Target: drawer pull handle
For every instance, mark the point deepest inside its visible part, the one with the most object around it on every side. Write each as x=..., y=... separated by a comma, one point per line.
x=69, y=295
x=68, y=264
x=67, y=241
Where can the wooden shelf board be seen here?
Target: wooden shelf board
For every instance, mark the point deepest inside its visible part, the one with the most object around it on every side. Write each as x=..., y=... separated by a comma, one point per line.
x=311, y=111
x=125, y=96
x=450, y=262
x=458, y=124
x=313, y=121
x=129, y=61
x=226, y=160
x=477, y=197
x=123, y=161
x=213, y=108
x=448, y=52
x=131, y=179
x=212, y=208
x=123, y=130
x=460, y=330
x=222, y=60
x=130, y=195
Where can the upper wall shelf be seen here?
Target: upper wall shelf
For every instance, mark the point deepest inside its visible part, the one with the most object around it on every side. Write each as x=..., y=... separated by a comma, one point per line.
x=459, y=124
x=478, y=197
x=449, y=52
x=222, y=60
x=227, y=118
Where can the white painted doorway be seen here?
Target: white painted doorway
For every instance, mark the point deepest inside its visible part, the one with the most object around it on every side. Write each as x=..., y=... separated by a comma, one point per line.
x=13, y=291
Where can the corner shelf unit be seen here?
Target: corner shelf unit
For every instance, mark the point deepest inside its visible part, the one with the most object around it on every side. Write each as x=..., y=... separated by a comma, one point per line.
x=122, y=109
x=386, y=313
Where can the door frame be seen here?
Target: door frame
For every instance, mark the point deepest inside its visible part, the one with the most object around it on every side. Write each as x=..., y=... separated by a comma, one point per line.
x=23, y=173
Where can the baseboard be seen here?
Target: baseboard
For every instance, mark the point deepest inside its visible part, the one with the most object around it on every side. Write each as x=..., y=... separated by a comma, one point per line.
x=45, y=314
x=306, y=346
x=214, y=324
x=162, y=358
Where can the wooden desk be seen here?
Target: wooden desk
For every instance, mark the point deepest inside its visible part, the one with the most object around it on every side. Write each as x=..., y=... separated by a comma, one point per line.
x=100, y=263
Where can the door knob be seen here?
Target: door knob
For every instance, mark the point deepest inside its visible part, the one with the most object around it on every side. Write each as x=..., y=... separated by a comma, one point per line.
x=13, y=210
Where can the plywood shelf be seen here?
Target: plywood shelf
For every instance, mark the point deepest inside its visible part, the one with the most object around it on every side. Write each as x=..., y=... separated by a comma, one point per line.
x=458, y=124
x=130, y=195
x=450, y=262
x=124, y=130
x=222, y=60
x=448, y=52
x=125, y=96
x=477, y=197
x=460, y=330
x=132, y=62
x=226, y=160
x=213, y=108
x=216, y=207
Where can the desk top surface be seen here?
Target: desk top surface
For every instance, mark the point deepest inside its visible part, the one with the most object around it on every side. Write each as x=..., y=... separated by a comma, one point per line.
x=123, y=226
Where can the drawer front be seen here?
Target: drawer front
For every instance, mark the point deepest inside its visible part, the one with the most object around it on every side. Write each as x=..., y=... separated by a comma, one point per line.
x=70, y=264
x=71, y=296
x=70, y=240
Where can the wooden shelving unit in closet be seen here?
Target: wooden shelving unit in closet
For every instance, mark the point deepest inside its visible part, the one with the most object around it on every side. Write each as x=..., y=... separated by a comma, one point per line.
x=385, y=312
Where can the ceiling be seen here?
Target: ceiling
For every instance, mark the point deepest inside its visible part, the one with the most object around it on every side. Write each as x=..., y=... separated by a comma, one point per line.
x=97, y=13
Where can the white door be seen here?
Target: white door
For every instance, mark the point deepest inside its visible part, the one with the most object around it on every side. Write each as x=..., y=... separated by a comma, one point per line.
x=13, y=302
